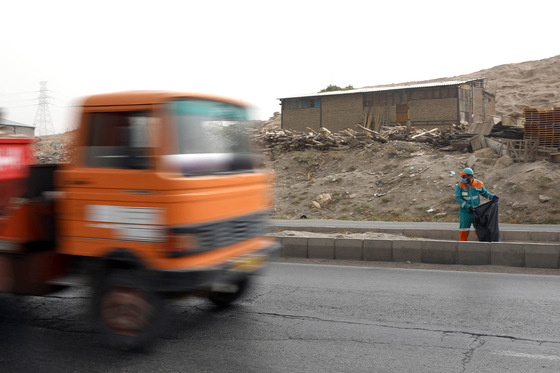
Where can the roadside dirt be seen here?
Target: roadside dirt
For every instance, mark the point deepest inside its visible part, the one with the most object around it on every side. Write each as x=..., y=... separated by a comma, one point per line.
x=361, y=236
x=407, y=181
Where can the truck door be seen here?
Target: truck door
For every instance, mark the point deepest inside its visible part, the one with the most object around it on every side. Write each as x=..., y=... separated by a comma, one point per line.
x=109, y=192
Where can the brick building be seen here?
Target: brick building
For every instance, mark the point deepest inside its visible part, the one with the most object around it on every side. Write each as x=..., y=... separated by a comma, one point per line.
x=10, y=128
x=425, y=105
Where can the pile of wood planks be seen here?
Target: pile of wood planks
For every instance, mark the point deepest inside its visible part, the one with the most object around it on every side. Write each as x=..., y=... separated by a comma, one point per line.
x=321, y=139
x=543, y=125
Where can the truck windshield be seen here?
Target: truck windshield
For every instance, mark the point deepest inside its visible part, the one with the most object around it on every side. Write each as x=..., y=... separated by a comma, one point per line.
x=211, y=137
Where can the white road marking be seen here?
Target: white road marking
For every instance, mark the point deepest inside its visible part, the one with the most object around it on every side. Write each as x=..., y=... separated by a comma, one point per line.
x=528, y=356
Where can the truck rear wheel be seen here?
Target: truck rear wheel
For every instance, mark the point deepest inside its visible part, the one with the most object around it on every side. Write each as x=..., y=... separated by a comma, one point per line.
x=230, y=293
x=127, y=312
x=6, y=274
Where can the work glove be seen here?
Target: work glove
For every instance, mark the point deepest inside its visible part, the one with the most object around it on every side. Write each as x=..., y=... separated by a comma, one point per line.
x=495, y=197
x=471, y=209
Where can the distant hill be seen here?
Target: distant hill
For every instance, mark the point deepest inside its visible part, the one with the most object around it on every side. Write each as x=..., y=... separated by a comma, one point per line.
x=520, y=85
x=533, y=84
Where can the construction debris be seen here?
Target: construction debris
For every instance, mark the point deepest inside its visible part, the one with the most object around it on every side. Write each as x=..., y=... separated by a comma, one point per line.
x=321, y=139
x=324, y=139
x=543, y=125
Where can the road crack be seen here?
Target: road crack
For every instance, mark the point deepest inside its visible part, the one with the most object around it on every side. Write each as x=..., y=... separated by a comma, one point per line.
x=476, y=335
x=475, y=344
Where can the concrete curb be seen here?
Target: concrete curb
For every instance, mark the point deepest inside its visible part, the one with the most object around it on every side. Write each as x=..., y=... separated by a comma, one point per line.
x=513, y=254
x=435, y=234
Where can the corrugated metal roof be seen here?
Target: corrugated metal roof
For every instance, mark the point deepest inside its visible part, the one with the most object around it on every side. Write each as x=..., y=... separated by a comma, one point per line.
x=8, y=122
x=387, y=88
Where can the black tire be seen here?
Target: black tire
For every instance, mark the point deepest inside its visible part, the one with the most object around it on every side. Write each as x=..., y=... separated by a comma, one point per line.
x=224, y=299
x=126, y=311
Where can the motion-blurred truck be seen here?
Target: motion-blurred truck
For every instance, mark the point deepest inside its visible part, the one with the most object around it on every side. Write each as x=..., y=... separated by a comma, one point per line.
x=164, y=197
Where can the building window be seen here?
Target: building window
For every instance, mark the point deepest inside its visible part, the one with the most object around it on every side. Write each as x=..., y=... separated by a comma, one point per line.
x=290, y=105
x=300, y=104
x=310, y=103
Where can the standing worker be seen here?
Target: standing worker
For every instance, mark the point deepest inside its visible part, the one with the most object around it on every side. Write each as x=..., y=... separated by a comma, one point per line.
x=467, y=195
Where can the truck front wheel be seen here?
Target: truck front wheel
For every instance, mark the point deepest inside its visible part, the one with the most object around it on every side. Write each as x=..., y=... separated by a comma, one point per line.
x=127, y=312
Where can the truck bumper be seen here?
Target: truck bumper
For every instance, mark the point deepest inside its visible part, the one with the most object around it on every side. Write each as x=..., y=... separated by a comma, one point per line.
x=208, y=278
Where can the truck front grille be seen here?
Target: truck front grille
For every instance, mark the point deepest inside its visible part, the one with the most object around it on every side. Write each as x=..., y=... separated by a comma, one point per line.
x=218, y=234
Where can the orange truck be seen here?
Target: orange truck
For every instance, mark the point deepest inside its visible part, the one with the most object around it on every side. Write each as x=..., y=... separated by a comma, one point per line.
x=163, y=197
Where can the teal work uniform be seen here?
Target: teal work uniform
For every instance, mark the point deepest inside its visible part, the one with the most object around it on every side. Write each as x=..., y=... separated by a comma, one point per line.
x=469, y=196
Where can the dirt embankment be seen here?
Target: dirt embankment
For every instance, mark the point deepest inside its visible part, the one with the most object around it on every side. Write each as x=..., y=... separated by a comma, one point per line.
x=404, y=181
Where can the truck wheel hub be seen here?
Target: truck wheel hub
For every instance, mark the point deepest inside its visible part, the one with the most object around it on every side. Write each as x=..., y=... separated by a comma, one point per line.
x=126, y=311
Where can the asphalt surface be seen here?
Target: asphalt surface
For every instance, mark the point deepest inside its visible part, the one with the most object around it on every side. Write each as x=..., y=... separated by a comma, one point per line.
x=313, y=318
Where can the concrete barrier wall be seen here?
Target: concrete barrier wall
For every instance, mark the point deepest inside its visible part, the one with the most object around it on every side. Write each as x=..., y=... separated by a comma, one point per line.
x=515, y=254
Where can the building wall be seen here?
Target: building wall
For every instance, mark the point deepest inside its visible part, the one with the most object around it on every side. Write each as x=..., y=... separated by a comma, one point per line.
x=300, y=119
x=335, y=113
x=7, y=129
x=341, y=112
x=345, y=111
x=479, y=106
x=434, y=111
x=387, y=114
x=484, y=106
x=429, y=107
x=26, y=131
x=489, y=104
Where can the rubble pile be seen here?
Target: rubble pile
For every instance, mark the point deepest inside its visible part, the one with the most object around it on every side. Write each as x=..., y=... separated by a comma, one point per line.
x=323, y=139
x=49, y=153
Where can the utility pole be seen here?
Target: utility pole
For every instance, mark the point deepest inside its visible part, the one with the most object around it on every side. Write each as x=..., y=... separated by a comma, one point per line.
x=43, y=122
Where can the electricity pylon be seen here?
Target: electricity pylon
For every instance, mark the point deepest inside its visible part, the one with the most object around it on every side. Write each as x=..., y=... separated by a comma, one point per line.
x=43, y=122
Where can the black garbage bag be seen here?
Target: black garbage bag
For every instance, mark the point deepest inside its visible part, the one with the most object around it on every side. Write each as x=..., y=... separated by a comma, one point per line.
x=486, y=221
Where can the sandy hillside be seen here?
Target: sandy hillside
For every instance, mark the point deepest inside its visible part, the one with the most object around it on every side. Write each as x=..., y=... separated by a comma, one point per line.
x=517, y=86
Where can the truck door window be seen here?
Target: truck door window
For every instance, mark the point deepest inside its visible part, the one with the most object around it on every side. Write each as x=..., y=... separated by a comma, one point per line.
x=118, y=140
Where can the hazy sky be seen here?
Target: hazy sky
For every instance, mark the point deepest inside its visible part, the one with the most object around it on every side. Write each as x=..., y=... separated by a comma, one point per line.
x=256, y=51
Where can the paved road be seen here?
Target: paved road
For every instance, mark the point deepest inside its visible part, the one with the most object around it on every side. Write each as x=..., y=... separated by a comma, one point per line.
x=315, y=318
